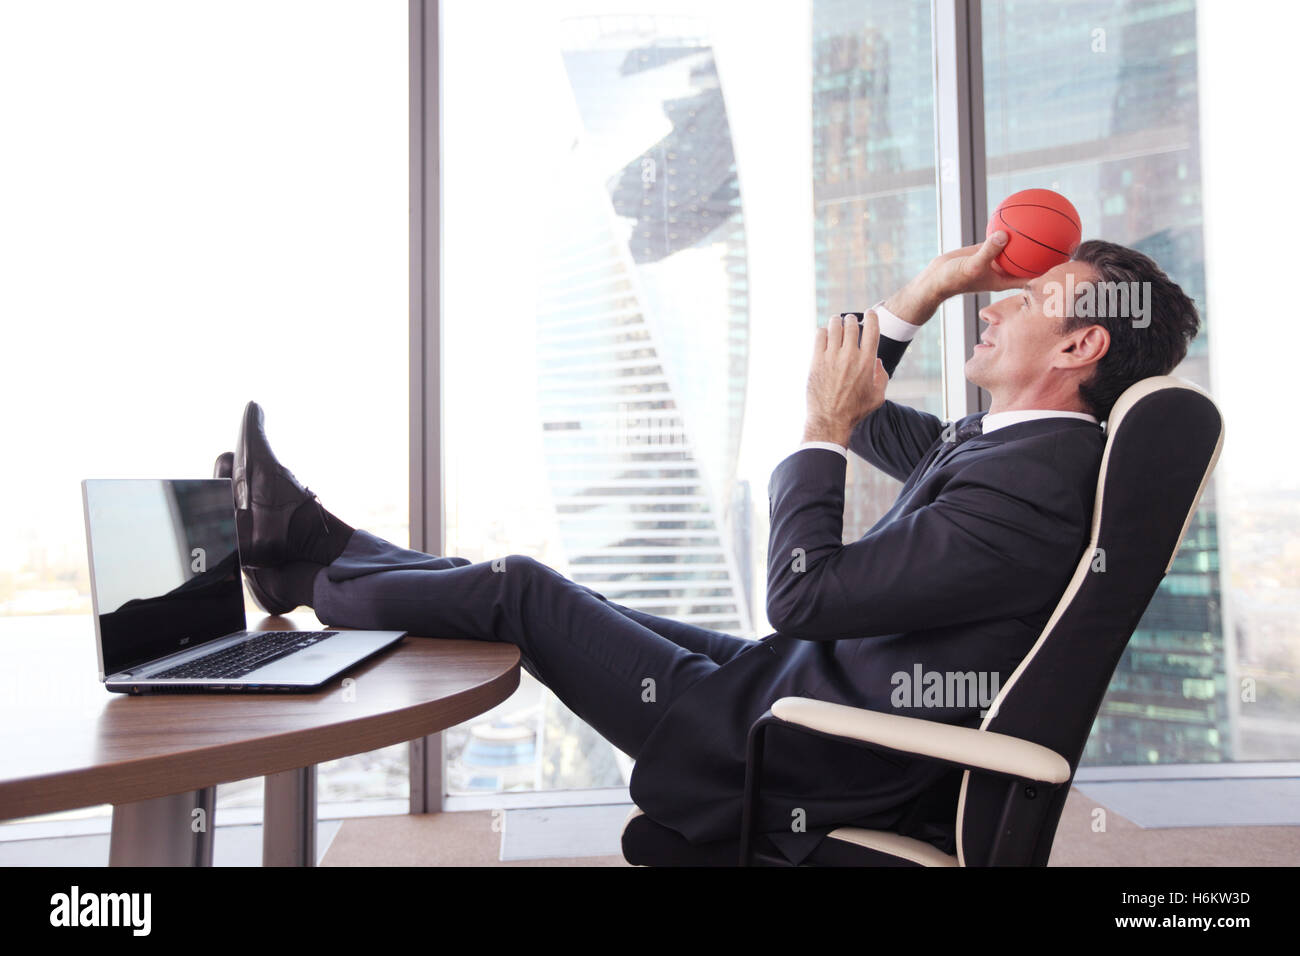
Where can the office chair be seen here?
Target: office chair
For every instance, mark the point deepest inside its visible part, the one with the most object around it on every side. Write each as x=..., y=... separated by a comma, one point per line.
x=1163, y=440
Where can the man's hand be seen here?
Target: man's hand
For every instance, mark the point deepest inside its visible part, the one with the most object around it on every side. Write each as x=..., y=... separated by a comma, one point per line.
x=969, y=269
x=973, y=269
x=847, y=381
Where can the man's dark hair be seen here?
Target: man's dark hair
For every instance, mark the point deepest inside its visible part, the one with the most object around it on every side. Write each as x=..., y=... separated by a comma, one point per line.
x=1135, y=353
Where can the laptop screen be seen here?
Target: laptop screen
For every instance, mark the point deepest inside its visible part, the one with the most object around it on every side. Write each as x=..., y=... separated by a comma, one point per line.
x=164, y=566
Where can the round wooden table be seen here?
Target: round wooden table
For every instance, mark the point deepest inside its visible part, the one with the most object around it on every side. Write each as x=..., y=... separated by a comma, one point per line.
x=66, y=742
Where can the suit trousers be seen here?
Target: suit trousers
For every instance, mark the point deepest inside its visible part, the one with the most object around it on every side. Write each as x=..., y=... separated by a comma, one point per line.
x=617, y=668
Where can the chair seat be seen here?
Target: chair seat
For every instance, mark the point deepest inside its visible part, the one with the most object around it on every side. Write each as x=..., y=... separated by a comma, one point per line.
x=647, y=843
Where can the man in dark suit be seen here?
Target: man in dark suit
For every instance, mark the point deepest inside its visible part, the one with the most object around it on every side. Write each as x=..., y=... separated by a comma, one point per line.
x=955, y=580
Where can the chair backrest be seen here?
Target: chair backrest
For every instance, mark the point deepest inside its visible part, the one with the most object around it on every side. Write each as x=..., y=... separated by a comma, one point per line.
x=1163, y=439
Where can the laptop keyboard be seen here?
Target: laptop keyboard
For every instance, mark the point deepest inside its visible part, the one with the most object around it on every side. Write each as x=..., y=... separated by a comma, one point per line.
x=241, y=659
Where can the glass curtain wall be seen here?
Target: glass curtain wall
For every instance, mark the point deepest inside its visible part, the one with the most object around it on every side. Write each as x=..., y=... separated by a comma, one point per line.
x=199, y=207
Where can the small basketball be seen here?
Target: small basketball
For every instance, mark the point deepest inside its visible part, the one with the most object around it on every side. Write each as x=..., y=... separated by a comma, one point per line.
x=1043, y=228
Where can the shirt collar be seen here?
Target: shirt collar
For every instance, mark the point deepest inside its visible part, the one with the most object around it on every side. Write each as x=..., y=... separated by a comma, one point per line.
x=996, y=420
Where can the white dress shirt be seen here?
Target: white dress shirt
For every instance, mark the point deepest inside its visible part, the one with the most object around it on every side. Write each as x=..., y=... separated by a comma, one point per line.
x=900, y=331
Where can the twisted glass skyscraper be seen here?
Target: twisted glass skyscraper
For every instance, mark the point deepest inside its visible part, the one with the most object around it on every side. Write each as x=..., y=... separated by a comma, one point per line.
x=642, y=327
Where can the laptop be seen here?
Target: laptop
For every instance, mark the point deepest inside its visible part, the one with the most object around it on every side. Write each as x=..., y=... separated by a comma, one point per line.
x=168, y=596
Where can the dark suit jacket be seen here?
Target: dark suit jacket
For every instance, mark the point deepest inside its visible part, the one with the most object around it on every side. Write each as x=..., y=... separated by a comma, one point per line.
x=959, y=576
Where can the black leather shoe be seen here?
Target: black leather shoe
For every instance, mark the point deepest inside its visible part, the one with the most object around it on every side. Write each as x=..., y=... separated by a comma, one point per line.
x=267, y=490
x=223, y=468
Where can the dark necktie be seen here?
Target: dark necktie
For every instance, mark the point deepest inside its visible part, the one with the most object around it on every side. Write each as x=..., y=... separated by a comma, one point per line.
x=947, y=446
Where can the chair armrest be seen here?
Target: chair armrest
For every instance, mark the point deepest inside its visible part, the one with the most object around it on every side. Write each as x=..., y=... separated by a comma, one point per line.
x=961, y=746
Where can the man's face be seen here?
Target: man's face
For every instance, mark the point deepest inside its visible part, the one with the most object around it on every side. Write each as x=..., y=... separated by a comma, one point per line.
x=1020, y=342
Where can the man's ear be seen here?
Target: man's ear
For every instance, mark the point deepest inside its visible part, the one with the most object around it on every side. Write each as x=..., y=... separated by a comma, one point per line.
x=1083, y=347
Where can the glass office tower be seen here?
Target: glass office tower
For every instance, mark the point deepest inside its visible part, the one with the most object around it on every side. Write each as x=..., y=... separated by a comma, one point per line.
x=642, y=327
x=621, y=422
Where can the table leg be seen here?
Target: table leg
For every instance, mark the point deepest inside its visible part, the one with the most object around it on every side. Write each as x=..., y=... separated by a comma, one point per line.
x=289, y=818
x=175, y=830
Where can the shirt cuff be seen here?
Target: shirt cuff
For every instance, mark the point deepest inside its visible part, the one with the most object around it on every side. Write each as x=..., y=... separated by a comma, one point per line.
x=891, y=326
x=828, y=445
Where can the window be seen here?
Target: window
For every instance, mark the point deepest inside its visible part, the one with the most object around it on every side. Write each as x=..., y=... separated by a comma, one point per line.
x=199, y=210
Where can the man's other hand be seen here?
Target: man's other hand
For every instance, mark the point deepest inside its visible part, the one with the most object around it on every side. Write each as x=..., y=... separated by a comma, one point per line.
x=847, y=381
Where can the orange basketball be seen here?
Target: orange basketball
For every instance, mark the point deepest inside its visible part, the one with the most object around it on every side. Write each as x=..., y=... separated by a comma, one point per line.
x=1042, y=227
